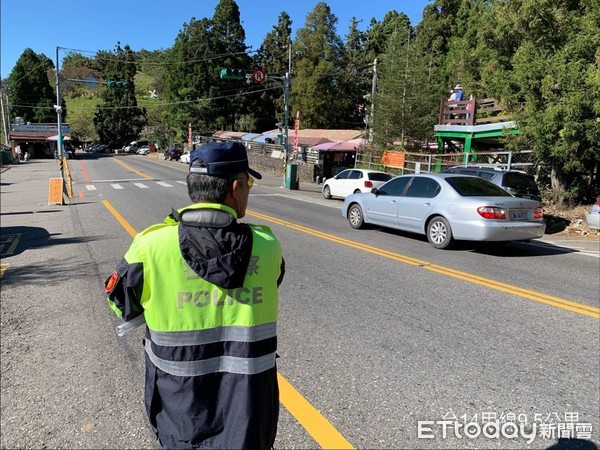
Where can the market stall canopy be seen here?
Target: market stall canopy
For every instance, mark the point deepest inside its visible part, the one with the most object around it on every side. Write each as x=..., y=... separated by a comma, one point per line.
x=309, y=141
x=325, y=145
x=55, y=138
x=352, y=144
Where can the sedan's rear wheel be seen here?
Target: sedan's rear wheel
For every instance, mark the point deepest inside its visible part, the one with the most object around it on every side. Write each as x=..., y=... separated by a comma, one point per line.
x=439, y=233
x=355, y=217
x=327, y=192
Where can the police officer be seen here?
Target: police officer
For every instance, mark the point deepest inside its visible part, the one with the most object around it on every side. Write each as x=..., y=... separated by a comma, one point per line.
x=207, y=286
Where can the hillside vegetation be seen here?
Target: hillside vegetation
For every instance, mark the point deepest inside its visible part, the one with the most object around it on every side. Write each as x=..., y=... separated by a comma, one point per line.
x=539, y=59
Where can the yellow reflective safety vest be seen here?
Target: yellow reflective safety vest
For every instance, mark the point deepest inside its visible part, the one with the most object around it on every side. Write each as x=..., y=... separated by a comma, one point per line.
x=210, y=346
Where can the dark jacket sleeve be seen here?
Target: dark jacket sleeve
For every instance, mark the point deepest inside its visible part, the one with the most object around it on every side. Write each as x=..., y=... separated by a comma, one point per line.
x=124, y=289
x=282, y=272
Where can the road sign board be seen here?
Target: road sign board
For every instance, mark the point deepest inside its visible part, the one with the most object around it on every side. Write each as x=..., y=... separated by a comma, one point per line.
x=259, y=76
x=91, y=82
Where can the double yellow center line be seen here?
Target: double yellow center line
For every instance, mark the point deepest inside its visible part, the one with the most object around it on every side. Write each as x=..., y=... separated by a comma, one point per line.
x=309, y=417
x=558, y=302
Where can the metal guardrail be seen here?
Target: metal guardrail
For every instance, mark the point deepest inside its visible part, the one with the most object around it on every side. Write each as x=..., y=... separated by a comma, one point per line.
x=435, y=162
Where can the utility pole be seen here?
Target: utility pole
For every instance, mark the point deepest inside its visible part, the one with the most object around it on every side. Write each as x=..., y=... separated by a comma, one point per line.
x=286, y=81
x=238, y=74
x=58, y=107
x=5, y=123
x=373, y=87
x=286, y=99
x=404, y=90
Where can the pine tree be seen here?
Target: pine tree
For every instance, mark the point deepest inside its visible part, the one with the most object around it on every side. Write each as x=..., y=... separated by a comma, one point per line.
x=228, y=37
x=190, y=75
x=355, y=78
x=31, y=95
x=192, y=83
x=406, y=99
x=118, y=119
x=316, y=86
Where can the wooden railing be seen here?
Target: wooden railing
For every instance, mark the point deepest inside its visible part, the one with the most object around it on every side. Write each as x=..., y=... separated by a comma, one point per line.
x=471, y=112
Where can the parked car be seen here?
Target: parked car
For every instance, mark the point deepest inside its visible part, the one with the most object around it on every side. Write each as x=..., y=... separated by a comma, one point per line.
x=447, y=207
x=143, y=150
x=172, y=154
x=185, y=158
x=134, y=146
x=352, y=181
x=100, y=148
x=593, y=218
x=517, y=182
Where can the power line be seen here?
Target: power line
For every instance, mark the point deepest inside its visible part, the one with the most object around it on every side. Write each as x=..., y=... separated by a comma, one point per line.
x=101, y=58
x=157, y=104
x=30, y=72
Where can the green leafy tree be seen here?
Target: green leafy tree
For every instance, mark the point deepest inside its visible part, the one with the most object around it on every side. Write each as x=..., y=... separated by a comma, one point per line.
x=543, y=65
x=118, y=119
x=78, y=67
x=319, y=60
x=192, y=82
x=31, y=95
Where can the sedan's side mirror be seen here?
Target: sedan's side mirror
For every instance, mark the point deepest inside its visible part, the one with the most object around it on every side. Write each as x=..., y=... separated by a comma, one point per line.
x=374, y=191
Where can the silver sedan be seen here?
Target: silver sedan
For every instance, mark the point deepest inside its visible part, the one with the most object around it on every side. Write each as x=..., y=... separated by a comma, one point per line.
x=447, y=207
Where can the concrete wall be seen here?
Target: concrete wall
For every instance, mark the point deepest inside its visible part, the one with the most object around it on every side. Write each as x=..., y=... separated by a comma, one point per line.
x=267, y=164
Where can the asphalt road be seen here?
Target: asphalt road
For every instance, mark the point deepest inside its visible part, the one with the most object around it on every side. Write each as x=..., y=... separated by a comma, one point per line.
x=378, y=331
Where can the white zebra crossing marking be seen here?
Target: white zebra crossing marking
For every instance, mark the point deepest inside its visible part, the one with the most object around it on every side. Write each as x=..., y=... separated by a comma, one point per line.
x=91, y=187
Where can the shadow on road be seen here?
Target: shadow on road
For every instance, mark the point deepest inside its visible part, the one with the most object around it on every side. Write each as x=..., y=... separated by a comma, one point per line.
x=15, y=240
x=52, y=272
x=511, y=249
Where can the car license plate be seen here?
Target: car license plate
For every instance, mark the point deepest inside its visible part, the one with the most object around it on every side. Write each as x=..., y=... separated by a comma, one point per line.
x=518, y=215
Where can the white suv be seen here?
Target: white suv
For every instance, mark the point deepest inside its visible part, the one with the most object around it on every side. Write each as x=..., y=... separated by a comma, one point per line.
x=135, y=146
x=353, y=181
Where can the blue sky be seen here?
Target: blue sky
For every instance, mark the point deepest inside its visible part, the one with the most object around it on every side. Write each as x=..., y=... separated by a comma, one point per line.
x=43, y=25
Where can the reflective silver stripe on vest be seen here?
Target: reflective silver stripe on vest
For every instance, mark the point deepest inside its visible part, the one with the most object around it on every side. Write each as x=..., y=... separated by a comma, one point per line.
x=218, y=334
x=231, y=364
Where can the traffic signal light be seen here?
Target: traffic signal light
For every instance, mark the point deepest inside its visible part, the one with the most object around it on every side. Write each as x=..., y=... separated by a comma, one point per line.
x=233, y=74
x=117, y=84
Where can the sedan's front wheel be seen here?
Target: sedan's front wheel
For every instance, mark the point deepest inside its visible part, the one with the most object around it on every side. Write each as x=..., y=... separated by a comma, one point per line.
x=439, y=233
x=327, y=192
x=355, y=217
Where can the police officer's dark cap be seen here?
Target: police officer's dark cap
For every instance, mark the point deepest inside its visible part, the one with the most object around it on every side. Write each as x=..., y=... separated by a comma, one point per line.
x=221, y=159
